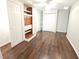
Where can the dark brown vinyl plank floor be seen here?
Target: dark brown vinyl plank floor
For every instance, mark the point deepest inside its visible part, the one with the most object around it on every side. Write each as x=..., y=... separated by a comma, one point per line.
x=46, y=45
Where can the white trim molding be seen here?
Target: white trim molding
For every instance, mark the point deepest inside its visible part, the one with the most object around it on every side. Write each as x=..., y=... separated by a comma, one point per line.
x=5, y=43
x=69, y=39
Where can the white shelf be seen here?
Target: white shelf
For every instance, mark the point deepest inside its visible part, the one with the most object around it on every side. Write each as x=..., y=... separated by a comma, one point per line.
x=27, y=11
x=27, y=27
x=28, y=40
x=28, y=31
x=27, y=14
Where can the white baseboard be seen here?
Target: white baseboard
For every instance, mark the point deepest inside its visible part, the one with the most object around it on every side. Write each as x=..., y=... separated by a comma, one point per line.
x=5, y=43
x=68, y=37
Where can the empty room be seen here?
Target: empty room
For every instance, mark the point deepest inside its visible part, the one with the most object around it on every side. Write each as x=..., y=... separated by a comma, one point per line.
x=39, y=29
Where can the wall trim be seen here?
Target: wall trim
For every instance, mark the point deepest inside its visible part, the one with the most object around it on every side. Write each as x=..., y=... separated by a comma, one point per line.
x=69, y=39
x=5, y=44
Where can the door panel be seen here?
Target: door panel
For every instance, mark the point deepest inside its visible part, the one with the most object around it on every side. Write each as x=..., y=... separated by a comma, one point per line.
x=49, y=22
x=15, y=19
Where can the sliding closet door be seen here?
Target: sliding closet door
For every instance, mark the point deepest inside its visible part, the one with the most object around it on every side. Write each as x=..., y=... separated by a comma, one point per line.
x=49, y=21
x=15, y=10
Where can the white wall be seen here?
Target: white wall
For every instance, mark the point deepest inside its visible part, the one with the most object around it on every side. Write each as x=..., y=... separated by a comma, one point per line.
x=4, y=23
x=49, y=20
x=36, y=20
x=62, y=20
x=73, y=27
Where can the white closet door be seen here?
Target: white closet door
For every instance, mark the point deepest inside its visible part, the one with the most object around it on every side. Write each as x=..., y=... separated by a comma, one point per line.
x=62, y=22
x=49, y=22
x=15, y=10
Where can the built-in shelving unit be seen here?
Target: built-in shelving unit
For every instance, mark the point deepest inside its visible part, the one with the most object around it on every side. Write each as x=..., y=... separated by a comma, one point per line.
x=28, y=22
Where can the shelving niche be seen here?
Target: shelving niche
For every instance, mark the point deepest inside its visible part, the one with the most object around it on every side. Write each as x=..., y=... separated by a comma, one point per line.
x=28, y=22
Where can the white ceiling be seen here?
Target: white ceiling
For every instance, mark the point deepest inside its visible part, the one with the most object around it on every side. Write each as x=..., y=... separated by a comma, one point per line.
x=50, y=4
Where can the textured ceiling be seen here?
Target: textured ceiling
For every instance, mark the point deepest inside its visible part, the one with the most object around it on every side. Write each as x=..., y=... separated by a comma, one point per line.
x=50, y=4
